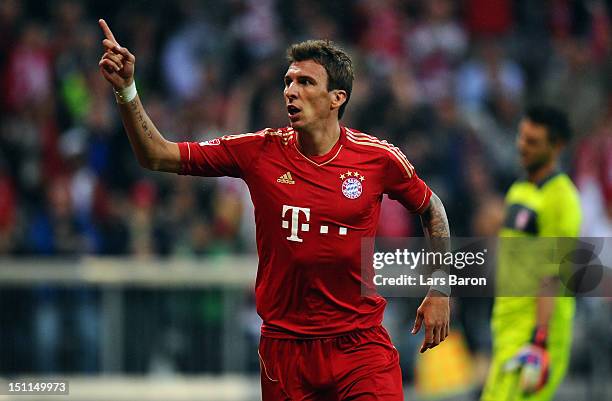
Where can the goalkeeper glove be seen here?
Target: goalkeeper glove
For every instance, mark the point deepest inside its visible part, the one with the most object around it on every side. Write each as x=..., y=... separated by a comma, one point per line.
x=533, y=362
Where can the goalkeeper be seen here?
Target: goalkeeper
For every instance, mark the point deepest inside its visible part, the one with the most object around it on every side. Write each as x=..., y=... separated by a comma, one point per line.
x=532, y=335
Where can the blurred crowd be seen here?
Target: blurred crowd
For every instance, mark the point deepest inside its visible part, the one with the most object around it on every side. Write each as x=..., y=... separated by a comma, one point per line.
x=446, y=81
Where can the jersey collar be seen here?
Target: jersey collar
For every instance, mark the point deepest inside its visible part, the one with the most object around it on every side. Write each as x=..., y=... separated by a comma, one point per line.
x=544, y=180
x=329, y=156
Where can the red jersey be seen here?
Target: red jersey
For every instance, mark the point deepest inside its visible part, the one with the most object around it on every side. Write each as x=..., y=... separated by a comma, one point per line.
x=310, y=216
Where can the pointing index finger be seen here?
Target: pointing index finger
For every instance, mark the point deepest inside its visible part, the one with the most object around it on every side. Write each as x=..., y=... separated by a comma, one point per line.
x=107, y=31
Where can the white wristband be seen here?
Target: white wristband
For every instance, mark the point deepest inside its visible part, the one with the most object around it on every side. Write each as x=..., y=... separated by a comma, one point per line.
x=441, y=277
x=126, y=94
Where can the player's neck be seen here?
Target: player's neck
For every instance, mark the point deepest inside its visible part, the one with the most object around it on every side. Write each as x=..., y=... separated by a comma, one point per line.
x=319, y=141
x=541, y=173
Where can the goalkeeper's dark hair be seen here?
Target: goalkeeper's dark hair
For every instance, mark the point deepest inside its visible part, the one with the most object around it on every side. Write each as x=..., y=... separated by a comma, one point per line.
x=555, y=120
x=336, y=62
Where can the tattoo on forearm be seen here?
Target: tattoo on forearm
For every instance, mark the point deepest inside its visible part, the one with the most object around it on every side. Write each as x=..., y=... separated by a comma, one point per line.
x=434, y=220
x=435, y=226
x=141, y=118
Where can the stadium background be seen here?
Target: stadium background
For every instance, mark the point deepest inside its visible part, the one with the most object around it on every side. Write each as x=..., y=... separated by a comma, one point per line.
x=124, y=279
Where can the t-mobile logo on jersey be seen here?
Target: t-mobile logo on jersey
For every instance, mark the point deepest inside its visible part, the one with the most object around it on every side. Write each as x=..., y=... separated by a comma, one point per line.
x=296, y=226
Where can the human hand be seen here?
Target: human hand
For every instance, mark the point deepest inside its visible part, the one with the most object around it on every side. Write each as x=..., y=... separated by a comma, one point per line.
x=434, y=312
x=533, y=362
x=117, y=63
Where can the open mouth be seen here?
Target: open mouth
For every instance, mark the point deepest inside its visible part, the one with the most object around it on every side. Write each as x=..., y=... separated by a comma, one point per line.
x=292, y=110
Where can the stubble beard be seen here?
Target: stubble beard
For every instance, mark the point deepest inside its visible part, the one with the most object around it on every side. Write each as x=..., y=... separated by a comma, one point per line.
x=537, y=165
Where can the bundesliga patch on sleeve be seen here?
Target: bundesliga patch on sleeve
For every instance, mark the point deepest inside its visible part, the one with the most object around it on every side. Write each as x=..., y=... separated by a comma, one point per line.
x=211, y=142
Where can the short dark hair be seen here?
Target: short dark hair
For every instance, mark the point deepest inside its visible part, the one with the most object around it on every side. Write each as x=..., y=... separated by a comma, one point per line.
x=556, y=122
x=336, y=62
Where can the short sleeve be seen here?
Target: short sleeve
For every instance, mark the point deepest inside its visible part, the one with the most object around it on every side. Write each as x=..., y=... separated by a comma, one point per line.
x=403, y=184
x=561, y=212
x=559, y=219
x=229, y=155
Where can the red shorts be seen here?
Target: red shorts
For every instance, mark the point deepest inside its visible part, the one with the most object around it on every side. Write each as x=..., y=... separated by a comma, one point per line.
x=362, y=365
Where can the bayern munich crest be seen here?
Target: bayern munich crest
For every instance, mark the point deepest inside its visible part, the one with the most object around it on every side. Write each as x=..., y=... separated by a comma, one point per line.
x=352, y=186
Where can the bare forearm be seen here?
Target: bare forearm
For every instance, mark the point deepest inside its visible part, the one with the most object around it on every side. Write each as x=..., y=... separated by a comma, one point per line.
x=545, y=308
x=151, y=149
x=435, y=308
x=545, y=304
x=117, y=66
x=435, y=224
x=435, y=227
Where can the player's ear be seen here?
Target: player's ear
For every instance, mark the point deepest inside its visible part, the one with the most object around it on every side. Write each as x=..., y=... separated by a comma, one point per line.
x=338, y=97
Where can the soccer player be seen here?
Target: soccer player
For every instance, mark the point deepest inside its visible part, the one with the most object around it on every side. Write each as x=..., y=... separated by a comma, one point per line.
x=317, y=188
x=532, y=334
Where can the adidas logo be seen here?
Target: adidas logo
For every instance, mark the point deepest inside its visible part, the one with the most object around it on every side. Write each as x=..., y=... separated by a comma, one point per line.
x=285, y=178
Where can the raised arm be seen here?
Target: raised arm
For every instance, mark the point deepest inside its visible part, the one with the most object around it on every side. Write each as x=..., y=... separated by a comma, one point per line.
x=434, y=311
x=152, y=150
